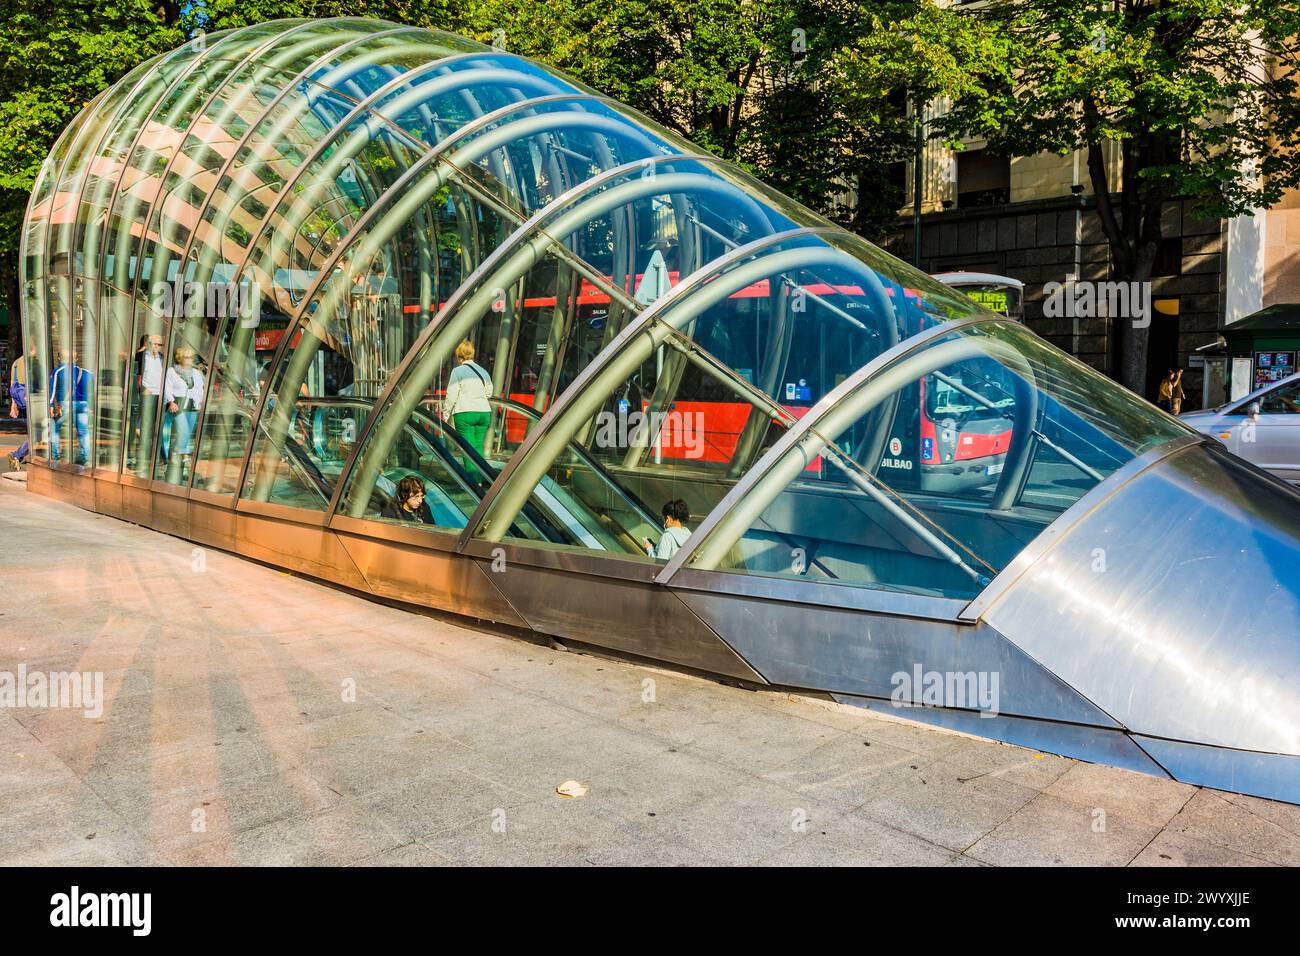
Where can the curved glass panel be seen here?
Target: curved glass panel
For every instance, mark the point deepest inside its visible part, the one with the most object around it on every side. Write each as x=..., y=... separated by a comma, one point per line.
x=563, y=289
x=683, y=410
x=102, y=230
x=350, y=261
x=988, y=435
x=71, y=303
x=125, y=256
x=374, y=295
x=34, y=371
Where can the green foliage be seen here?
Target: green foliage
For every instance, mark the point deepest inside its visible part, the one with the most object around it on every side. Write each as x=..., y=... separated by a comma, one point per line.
x=758, y=82
x=1196, y=92
x=1194, y=98
x=54, y=58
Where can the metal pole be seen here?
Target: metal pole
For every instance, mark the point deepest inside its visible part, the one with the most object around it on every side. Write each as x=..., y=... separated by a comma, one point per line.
x=918, y=146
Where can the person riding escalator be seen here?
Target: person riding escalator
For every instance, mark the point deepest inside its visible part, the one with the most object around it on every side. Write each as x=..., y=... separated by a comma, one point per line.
x=467, y=404
x=409, y=504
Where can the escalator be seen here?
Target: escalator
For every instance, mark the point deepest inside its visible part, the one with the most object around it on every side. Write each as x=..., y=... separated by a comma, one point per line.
x=456, y=476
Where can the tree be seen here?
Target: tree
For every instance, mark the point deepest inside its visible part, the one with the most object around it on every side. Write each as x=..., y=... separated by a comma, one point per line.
x=757, y=82
x=54, y=58
x=1197, y=95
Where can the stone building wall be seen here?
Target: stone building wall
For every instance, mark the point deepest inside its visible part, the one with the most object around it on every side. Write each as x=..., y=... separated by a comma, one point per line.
x=1051, y=240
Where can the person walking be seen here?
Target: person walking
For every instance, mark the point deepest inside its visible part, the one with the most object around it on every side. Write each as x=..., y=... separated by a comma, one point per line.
x=18, y=407
x=467, y=404
x=183, y=394
x=70, y=386
x=1171, y=392
x=149, y=377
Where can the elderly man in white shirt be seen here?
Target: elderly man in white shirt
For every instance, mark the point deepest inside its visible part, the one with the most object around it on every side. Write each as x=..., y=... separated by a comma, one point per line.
x=151, y=365
x=149, y=376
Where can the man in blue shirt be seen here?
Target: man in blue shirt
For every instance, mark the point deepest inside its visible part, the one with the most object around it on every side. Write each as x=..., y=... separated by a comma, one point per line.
x=70, y=391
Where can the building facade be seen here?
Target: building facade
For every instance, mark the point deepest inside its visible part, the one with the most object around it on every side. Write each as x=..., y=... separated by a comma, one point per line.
x=1034, y=219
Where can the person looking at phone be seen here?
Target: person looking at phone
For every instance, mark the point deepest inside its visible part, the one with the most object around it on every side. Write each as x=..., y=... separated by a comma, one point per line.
x=675, y=514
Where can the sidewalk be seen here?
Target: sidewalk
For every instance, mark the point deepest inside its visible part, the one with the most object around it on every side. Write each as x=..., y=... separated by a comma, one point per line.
x=9, y=442
x=254, y=717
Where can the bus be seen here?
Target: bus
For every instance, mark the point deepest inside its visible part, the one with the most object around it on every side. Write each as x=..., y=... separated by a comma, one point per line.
x=1001, y=294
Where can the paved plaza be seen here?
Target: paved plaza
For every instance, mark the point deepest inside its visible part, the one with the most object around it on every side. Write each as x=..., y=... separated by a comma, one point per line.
x=251, y=716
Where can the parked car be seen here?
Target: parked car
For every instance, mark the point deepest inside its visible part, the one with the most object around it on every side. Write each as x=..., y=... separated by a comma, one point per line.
x=1263, y=427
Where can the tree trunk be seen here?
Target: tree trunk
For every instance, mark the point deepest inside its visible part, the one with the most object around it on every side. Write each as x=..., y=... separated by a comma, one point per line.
x=1133, y=235
x=1132, y=338
x=1129, y=351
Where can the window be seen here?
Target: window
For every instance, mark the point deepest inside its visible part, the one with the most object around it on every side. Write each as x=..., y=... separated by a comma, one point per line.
x=982, y=179
x=1281, y=401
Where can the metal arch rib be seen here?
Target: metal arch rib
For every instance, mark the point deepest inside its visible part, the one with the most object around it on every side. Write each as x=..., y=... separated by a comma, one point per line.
x=121, y=251
x=398, y=215
x=366, y=105
x=162, y=193
x=293, y=325
x=547, y=432
x=525, y=229
x=154, y=204
x=525, y=253
x=146, y=99
x=873, y=392
x=70, y=132
x=139, y=134
x=289, y=87
x=468, y=129
x=286, y=190
x=395, y=195
x=121, y=109
x=746, y=484
x=324, y=144
x=208, y=196
x=357, y=139
x=81, y=131
x=564, y=399
x=122, y=247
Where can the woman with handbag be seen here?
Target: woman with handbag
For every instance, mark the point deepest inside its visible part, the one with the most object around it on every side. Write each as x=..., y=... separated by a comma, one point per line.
x=183, y=394
x=467, y=404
